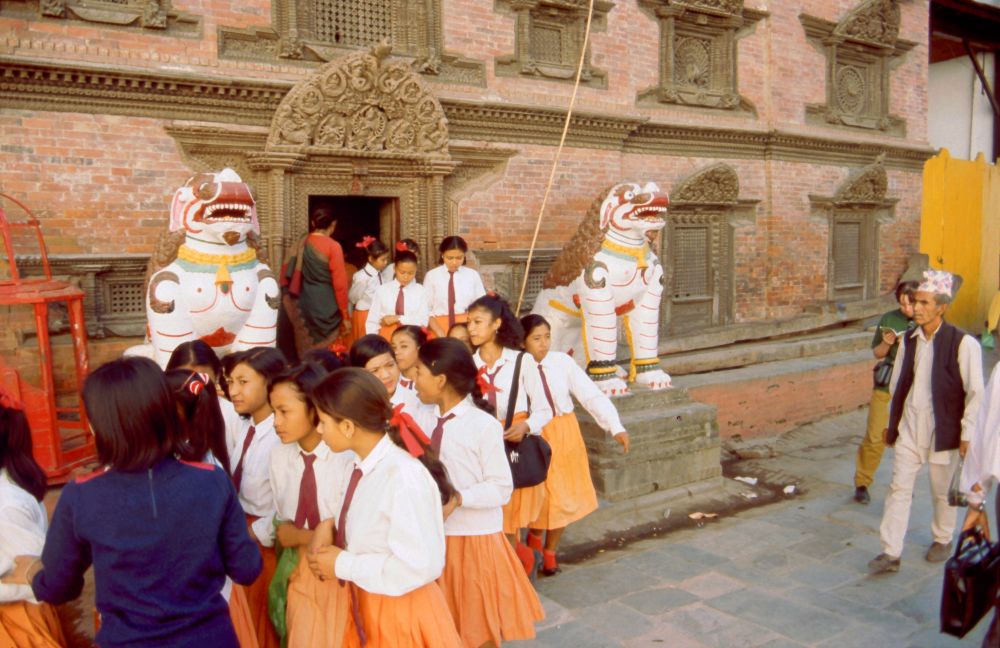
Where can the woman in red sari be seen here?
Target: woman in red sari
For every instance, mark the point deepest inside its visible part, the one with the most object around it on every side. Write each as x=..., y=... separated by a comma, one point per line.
x=315, y=285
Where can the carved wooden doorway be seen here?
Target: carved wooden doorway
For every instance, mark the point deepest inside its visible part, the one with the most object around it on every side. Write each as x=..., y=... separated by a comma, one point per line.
x=360, y=216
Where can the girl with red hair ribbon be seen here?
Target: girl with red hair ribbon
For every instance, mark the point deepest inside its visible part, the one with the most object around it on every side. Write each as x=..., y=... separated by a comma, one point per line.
x=365, y=281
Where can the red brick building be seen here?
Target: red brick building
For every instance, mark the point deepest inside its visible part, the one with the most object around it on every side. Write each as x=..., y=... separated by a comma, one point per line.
x=790, y=134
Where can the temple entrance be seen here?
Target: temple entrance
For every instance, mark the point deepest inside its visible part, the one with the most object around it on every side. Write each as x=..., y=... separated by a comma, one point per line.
x=360, y=216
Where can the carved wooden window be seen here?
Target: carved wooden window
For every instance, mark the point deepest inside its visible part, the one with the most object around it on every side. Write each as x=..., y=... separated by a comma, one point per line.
x=143, y=14
x=854, y=215
x=860, y=51
x=548, y=40
x=353, y=23
x=698, y=51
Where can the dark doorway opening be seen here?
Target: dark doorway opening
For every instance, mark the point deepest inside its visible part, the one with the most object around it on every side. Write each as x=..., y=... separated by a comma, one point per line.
x=357, y=217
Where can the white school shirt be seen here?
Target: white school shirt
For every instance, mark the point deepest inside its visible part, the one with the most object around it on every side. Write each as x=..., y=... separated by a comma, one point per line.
x=982, y=461
x=916, y=427
x=384, y=303
x=564, y=377
x=23, y=522
x=468, y=288
x=234, y=425
x=287, y=466
x=530, y=390
x=388, y=273
x=395, y=530
x=473, y=452
x=256, y=494
x=363, y=285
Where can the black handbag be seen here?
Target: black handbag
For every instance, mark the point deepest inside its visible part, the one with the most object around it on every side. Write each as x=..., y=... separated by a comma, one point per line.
x=882, y=373
x=529, y=458
x=971, y=576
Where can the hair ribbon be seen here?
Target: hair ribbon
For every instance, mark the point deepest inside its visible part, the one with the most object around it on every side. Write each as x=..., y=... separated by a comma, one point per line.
x=485, y=386
x=365, y=242
x=401, y=247
x=413, y=437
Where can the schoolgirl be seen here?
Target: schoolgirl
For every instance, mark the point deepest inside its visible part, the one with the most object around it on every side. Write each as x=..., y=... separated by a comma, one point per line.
x=197, y=356
x=569, y=491
x=406, y=342
x=400, y=301
x=461, y=333
x=497, y=336
x=451, y=287
x=304, y=477
x=402, y=245
x=162, y=534
x=23, y=521
x=388, y=542
x=250, y=455
x=373, y=354
x=488, y=593
x=365, y=281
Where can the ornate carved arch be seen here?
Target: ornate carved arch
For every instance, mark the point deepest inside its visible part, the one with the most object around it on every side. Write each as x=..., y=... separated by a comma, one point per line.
x=715, y=184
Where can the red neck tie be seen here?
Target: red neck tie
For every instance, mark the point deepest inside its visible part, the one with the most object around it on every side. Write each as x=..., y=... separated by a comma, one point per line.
x=399, y=302
x=548, y=394
x=438, y=432
x=342, y=521
x=238, y=473
x=451, y=300
x=307, y=512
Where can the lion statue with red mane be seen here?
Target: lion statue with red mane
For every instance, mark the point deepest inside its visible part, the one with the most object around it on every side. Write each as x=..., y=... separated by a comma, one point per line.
x=605, y=273
x=208, y=278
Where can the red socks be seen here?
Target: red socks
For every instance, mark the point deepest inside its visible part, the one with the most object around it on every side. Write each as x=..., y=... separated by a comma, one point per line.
x=535, y=542
x=527, y=558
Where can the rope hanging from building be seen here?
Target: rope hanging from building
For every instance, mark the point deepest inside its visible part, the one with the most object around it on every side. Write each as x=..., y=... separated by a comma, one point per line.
x=555, y=161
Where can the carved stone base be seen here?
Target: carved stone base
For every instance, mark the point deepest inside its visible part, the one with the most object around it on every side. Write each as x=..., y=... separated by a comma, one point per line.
x=675, y=442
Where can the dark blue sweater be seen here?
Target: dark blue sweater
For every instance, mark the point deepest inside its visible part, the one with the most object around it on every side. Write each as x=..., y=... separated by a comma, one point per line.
x=162, y=542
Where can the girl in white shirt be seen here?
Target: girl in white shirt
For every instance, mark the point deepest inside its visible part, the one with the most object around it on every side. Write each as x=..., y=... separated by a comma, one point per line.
x=402, y=245
x=388, y=540
x=451, y=287
x=23, y=522
x=373, y=354
x=305, y=475
x=497, y=336
x=406, y=342
x=569, y=490
x=250, y=456
x=400, y=301
x=365, y=281
x=197, y=356
x=487, y=590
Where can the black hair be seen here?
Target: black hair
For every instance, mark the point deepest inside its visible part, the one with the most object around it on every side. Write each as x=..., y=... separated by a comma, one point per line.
x=321, y=217
x=375, y=249
x=267, y=361
x=132, y=412
x=453, y=243
x=198, y=353
x=405, y=257
x=411, y=245
x=304, y=377
x=510, y=335
x=15, y=452
x=367, y=347
x=906, y=288
x=418, y=334
x=356, y=395
x=531, y=321
x=451, y=358
x=325, y=358
x=205, y=426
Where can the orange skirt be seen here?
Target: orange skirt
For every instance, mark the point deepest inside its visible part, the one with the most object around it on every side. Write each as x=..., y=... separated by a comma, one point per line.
x=442, y=321
x=239, y=613
x=256, y=594
x=319, y=612
x=569, y=491
x=387, y=331
x=30, y=625
x=488, y=593
x=418, y=618
x=524, y=506
x=358, y=320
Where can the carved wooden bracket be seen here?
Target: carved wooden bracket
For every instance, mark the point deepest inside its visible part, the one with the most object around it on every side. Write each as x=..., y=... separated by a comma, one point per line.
x=138, y=14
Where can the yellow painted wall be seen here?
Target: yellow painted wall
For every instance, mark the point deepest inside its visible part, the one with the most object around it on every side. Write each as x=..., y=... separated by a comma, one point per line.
x=960, y=231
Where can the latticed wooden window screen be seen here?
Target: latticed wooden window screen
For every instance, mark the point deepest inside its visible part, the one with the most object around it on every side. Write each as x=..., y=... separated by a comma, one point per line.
x=546, y=44
x=353, y=22
x=691, y=264
x=126, y=297
x=848, y=256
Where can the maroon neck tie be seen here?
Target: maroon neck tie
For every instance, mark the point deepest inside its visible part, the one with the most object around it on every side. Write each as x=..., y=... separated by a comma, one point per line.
x=399, y=302
x=451, y=300
x=492, y=396
x=548, y=394
x=238, y=473
x=342, y=521
x=307, y=512
x=438, y=432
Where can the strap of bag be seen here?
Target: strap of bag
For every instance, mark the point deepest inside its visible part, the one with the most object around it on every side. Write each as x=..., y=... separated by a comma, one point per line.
x=512, y=399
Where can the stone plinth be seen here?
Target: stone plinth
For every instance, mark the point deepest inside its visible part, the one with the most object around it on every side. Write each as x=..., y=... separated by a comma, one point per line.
x=675, y=442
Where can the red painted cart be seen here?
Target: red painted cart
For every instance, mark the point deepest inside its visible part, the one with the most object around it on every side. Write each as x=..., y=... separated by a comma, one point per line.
x=61, y=439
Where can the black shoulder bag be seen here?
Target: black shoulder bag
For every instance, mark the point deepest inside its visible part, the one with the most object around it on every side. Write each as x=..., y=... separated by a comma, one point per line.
x=529, y=459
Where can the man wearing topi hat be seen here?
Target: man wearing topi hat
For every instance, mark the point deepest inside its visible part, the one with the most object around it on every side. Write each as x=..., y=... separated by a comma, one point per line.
x=936, y=389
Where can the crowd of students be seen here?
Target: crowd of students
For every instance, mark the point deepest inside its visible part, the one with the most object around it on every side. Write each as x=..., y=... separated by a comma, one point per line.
x=357, y=499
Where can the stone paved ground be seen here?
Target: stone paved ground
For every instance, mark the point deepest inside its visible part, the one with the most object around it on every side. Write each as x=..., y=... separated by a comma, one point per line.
x=782, y=575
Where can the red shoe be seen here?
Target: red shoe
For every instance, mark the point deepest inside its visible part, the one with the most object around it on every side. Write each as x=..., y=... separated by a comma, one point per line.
x=535, y=542
x=528, y=559
x=550, y=567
